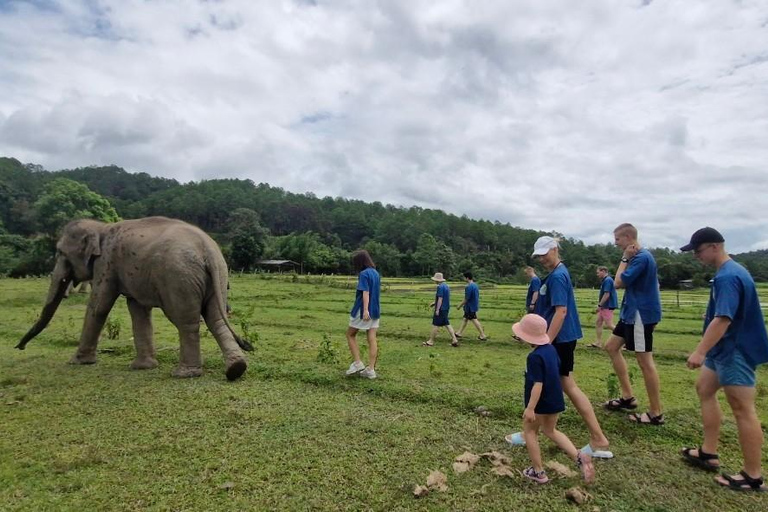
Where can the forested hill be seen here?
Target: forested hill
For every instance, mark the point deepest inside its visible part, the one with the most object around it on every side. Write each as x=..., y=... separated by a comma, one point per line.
x=259, y=221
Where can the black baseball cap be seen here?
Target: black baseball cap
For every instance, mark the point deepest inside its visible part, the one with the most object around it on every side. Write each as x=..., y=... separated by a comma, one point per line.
x=703, y=236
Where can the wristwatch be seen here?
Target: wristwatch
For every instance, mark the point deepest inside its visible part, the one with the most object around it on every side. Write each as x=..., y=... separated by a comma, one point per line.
x=625, y=260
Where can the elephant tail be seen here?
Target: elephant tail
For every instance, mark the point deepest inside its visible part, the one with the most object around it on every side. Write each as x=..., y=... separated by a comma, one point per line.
x=219, y=297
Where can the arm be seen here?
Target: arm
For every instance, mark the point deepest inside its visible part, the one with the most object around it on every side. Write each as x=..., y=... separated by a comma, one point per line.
x=557, y=322
x=438, y=304
x=529, y=414
x=534, y=298
x=714, y=333
x=605, y=298
x=629, y=253
x=366, y=301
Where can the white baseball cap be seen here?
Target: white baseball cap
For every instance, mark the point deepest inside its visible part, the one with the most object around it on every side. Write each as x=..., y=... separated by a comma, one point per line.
x=543, y=245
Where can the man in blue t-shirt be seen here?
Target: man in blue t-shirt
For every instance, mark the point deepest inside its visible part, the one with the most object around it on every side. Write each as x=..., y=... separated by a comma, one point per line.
x=442, y=306
x=734, y=342
x=533, y=290
x=640, y=312
x=607, y=301
x=471, y=305
x=557, y=305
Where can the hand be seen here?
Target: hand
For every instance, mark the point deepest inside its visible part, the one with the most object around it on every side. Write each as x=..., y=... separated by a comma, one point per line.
x=366, y=315
x=458, y=307
x=630, y=252
x=695, y=360
x=529, y=415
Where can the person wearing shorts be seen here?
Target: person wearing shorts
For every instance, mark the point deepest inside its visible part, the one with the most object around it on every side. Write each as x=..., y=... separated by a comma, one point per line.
x=557, y=304
x=442, y=306
x=607, y=301
x=365, y=314
x=471, y=305
x=734, y=343
x=639, y=314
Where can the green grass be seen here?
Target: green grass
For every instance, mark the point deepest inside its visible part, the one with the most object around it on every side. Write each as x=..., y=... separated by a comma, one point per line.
x=294, y=434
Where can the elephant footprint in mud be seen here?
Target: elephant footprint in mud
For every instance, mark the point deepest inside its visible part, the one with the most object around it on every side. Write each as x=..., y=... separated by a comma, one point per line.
x=154, y=262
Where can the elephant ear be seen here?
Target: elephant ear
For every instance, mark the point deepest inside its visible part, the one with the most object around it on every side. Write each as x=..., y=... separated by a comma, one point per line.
x=92, y=246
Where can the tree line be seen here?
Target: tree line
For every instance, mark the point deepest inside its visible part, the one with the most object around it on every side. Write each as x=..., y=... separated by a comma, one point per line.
x=257, y=221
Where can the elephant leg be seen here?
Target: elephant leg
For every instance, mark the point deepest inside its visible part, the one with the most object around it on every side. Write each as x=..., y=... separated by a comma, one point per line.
x=96, y=315
x=234, y=360
x=190, y=359
x=141, y=319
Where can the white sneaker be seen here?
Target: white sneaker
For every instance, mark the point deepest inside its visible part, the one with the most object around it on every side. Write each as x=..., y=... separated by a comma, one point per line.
x=368, y=373
x=355, y=367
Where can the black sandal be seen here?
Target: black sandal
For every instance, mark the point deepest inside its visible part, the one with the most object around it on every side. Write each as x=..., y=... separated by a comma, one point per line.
x=746, y=484
x=618, y=404
x=652, y=420
x=701, y=460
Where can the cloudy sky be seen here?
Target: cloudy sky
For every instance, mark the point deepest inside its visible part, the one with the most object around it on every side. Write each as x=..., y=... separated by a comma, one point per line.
x=547, y=114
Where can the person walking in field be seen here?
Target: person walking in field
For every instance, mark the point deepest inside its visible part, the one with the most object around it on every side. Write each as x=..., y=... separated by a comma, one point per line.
x=639, y=314
x=544, y=400
x=734, y=343
x=607, y=301
x=533, y=289
x=365, y=314
x=442, y=306
x=471, y=305
x=557, y=304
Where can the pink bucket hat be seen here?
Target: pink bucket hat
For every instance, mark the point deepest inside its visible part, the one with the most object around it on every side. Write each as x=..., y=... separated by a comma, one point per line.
x=532, y=329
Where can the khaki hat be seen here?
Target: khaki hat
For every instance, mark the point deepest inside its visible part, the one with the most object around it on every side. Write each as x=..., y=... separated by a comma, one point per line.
x=438, y=277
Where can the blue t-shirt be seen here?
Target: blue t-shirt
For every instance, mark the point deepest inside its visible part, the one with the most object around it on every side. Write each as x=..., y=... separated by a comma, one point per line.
x=641, y=290
x=733, y=295
x=472, y=298
x=543, y=365
x=608, y=286
x=368, y=281
x=557, y=290
x=444, y=292
x=532, y=288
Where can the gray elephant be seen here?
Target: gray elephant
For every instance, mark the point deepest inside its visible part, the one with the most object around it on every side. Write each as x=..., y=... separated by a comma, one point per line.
x=154, y=262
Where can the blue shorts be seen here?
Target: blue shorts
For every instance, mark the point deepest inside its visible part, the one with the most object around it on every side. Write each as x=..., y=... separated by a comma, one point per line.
x=441, y=318
x=732, y=371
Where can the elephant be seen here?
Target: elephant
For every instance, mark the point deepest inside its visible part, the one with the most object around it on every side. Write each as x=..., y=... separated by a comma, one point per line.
x=155, y=262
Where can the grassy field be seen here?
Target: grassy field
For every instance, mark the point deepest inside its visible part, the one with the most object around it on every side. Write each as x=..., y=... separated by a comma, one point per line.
x=295, y=434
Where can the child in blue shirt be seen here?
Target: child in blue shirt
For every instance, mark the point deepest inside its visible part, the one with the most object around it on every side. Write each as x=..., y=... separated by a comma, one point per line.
x=442, y=306
x=544, y=400
x=364, y=315
x=471, y=305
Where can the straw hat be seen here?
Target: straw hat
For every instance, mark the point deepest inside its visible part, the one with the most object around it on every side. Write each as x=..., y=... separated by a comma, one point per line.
x=532, y=329
x=438, y=277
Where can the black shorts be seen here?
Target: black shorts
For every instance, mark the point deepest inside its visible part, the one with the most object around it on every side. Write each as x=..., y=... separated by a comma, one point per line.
x=638, y=337
x=441, y=318
x=565, y=353
x=470, y=315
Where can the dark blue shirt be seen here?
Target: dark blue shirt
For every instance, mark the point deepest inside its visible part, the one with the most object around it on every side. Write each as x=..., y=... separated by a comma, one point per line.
x=543, y=365
x=607, y=285
x=733, y=295
x=557, y=290
x=444, y=292
x=472, y=298
x=532, y=288
x=641, y=290
x=368, y=281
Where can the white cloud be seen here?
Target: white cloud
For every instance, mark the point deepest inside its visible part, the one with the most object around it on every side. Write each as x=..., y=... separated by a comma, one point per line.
x=546, y=114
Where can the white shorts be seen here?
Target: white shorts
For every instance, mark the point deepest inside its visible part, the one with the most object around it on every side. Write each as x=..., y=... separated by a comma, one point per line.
x=363, y=325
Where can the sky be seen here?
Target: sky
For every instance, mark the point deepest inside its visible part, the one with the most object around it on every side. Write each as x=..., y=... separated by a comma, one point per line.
x=561, y=116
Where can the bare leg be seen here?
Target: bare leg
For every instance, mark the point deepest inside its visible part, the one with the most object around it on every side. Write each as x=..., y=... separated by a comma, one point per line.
x=531, y=435
x=651, y=378
x=478, y=326
x=141, y=320
x=463, y=326
x=352, y=343
x=549, y=429
x=711, y=416
x=613, y=346
x=432, y=334
x=598, y=331
x=373, y=348
x=452, y=333
x=582, y=404
x=742, y=402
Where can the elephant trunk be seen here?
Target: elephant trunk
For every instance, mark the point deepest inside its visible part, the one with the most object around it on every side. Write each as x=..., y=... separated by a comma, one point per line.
x=60, y=280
